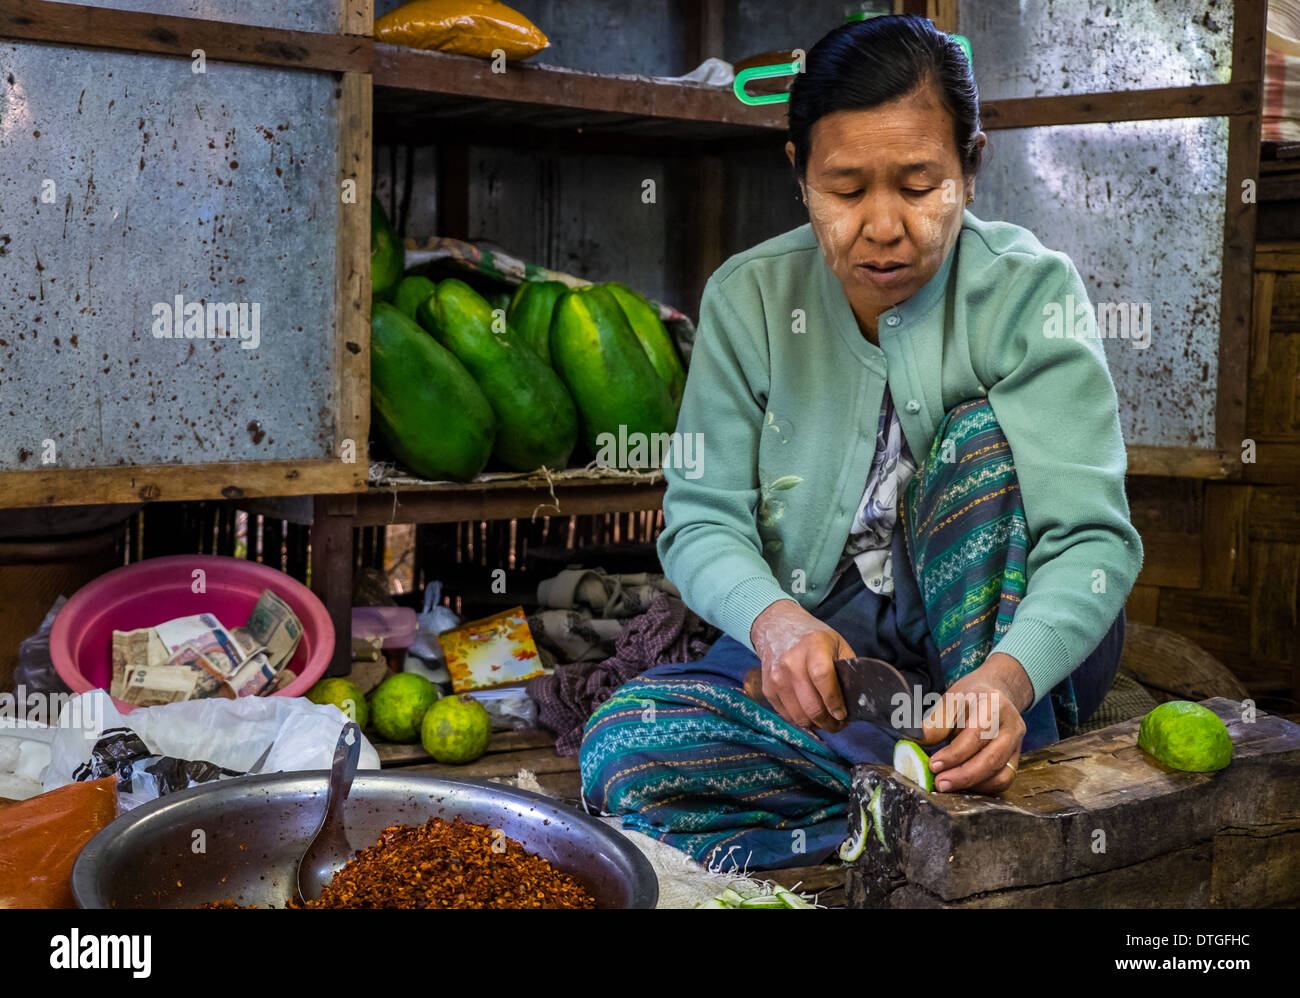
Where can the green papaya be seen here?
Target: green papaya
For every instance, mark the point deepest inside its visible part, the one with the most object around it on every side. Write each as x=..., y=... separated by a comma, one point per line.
x=605, y=368
x=530, y=314
x=412, y=293
x=387, y=254
x=426, y=406
x=537, y=423
x=656, y=342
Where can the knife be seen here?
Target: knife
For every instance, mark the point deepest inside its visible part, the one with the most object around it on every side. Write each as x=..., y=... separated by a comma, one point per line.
x=873, y=691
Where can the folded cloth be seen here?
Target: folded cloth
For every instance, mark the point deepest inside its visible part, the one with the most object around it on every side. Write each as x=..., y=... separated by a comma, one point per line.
x=574, y=635
x=607, y=595
x=666, y=632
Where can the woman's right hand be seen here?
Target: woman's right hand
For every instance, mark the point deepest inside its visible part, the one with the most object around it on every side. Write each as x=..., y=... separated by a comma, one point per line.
x=798, y=654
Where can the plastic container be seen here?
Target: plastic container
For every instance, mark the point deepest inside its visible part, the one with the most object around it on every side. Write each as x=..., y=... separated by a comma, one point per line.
x=397, y=625
x=150, y=592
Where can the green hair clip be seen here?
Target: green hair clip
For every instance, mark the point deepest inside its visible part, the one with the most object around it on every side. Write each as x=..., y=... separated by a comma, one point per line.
x=791, y=68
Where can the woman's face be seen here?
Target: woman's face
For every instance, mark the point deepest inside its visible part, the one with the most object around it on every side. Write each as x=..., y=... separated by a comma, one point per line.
x=885, y=195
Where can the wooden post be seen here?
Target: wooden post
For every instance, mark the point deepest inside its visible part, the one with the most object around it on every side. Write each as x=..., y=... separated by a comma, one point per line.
x=331, y=571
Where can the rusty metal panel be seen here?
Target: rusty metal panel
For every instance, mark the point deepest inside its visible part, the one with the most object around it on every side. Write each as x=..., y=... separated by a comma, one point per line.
x=130, y=180
x=1045, y=48
x=292, y=15
x=1138, y=207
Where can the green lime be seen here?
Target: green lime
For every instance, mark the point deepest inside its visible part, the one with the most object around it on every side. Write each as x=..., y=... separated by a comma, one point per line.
x=1186, y=736
x=343, y=694
x=456, y=729
x=911, y=762
x=399, y=704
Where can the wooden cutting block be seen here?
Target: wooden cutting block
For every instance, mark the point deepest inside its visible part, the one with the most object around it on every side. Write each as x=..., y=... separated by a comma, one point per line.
x=1093, y=821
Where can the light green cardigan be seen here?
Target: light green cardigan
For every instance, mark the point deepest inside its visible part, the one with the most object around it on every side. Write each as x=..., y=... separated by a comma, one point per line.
x=783, y=397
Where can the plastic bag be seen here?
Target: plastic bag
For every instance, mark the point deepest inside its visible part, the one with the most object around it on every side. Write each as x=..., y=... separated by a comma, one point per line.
x=199, y=737
x=24, y=754
x=510, y=707
x=35, y=673
x=465, y=27
x=433, y=620
x=41, y=838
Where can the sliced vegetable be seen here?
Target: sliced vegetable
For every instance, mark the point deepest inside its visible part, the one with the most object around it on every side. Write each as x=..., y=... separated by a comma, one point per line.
x=753, y=898
x=793, y=900
x=911, y=762
x=852, y=847
x=877, y=815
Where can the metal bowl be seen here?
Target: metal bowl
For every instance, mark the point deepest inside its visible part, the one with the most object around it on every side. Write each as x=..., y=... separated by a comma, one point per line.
x=239, y=839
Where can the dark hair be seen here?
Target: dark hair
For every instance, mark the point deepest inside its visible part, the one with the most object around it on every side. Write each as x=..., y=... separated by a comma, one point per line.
x=864, y=64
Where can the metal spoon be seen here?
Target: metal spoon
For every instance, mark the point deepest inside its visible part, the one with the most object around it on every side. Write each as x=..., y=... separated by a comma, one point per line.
x=329, y=849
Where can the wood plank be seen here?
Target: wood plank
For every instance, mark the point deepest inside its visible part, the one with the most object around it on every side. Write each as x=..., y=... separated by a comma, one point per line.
x=1256, y=867
x=1142, y=604
x=1274, y=599
x=331, y=572
x=1170, y=560
x=506, y=501
x=163, y=34
x=943, y=13
x=541, y=92
x=1257, y=382
x=352, y=276
x=1086, y=806
x=1124, y=105
x=1274, y=514
x=1183, y=462
x=1237, y=282
x=810, y=879
x=1224, y=544
x=1277, y=461
x=393, y=754
x=1278, y=411
x=1217, y=623
x=1284, y=317
x=1281, y=255
x=357, y=17
x=1167, y=504
x=1180, y=879
x=538, y=760
x=168, y=482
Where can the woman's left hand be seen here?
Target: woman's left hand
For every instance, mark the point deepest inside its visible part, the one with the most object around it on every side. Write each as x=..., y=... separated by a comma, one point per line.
x=983, y=710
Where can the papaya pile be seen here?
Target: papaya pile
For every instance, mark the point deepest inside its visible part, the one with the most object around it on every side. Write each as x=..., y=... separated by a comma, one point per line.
x=457, y=378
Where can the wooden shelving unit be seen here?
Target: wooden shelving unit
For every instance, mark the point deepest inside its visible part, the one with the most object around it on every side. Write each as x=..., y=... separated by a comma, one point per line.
x=434, y=90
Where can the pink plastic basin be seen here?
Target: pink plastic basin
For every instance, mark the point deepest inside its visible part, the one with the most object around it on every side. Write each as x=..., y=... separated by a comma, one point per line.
x=159, y=589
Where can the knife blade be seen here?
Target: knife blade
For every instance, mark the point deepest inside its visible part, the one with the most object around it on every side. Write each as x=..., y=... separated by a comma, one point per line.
x=873, y=690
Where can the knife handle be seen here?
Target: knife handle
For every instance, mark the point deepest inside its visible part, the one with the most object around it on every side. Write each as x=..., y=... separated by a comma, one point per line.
x=754, y=687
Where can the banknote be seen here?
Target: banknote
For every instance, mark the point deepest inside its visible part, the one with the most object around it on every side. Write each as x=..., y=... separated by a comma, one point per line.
x=208, y=679
x=152, y=686
x=274, y=628
x=132, y=649
x=204, y=632
x=253, y=677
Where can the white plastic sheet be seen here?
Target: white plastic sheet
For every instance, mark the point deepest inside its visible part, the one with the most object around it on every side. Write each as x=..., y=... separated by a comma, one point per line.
x=232, y=734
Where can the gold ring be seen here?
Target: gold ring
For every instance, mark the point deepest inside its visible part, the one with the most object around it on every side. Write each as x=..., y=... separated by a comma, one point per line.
x=1011, y=767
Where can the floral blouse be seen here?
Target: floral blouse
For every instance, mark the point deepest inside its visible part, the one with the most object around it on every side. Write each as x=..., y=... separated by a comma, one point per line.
x=871, y=534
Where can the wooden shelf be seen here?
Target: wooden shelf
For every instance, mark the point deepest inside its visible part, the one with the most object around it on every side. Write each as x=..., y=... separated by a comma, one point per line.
x=431, y=93
x=501, y=499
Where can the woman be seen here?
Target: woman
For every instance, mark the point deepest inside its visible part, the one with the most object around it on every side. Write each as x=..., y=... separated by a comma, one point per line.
x=900, y=460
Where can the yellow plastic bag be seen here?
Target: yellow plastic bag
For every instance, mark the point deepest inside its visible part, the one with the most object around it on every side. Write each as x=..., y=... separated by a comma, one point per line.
x=463, y=27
